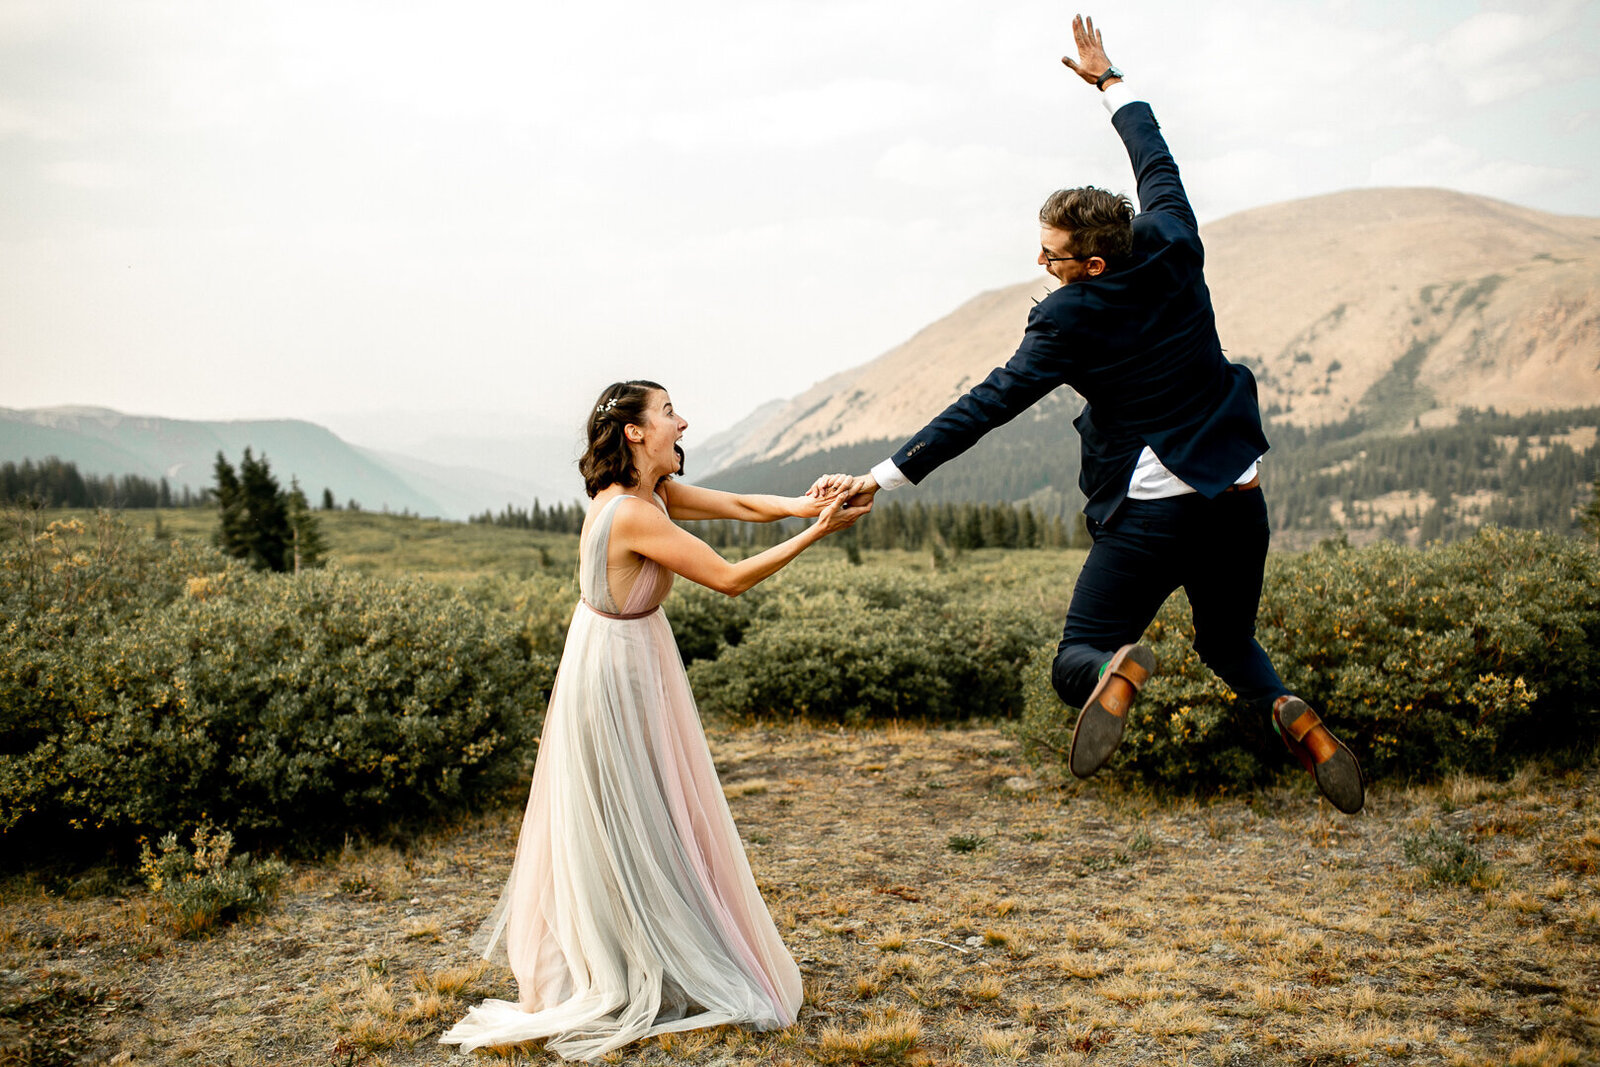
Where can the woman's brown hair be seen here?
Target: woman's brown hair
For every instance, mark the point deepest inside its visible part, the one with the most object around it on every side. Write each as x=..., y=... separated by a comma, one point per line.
x=608, y=460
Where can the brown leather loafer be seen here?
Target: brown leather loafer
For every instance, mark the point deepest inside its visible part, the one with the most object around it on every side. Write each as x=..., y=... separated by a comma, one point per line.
x=1329, y=759
x=1099, y=728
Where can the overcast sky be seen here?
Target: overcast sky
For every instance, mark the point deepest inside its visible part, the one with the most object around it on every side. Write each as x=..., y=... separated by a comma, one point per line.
x=321, y=209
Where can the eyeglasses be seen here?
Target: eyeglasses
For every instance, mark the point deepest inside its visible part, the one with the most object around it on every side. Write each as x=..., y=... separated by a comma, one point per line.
x=1048, y=258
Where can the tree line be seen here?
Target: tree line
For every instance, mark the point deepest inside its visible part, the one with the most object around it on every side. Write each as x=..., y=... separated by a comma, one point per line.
x=1537, y=481
x=918, y=526
x=55, y=483
x=893, y=524
x=557, y=518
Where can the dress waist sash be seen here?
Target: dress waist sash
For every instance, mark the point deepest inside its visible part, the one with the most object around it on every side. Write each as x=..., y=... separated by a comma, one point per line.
x=611, y=615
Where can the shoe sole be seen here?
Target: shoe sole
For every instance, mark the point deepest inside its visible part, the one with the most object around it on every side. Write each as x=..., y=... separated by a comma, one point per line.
x=1338, y=776
x=1099, y=729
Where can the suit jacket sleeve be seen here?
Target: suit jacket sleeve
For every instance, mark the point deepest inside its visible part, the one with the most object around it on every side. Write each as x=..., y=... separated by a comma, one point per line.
x=1038, y=366
x=1055, y=327
x=1160, y=188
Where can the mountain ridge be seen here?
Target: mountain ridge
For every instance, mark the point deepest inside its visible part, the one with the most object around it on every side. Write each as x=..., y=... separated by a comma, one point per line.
x=1402, y=307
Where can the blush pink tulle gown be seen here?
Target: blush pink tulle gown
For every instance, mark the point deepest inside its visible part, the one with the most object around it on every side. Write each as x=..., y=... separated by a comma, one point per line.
x=630, y=909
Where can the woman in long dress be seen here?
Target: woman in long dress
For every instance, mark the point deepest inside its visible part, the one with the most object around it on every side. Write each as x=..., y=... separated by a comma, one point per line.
x=630, y=909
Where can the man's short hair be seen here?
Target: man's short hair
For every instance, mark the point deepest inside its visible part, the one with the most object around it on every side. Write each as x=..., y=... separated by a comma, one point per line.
x=1101, y=223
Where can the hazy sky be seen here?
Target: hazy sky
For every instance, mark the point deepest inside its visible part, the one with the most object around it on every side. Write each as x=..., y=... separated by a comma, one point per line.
x=242, y=209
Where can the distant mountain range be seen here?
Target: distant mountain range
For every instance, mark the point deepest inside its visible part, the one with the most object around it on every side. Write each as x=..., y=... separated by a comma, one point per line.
x=101, y=441
x=1364, y=315
x=1377, y=310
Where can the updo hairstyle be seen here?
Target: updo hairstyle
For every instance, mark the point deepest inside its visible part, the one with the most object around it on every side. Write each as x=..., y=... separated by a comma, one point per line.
x=608, y=459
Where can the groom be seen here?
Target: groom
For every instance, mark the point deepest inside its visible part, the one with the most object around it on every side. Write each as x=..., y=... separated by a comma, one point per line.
x=1170, y=437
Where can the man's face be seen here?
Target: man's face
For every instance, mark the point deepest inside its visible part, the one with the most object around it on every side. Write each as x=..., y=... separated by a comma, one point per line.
x=1055, y=256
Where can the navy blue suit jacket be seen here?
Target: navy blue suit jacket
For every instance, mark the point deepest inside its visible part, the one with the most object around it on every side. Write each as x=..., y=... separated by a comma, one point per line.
x=1139, y=342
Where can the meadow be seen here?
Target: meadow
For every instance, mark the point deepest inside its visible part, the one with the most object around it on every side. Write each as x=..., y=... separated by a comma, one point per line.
x=952, y=897
x=374, y=543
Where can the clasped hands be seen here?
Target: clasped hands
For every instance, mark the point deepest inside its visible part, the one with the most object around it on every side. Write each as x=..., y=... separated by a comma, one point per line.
x=857, y=490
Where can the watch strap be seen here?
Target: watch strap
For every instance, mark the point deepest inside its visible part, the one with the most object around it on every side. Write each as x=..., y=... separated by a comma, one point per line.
x=1111, y=72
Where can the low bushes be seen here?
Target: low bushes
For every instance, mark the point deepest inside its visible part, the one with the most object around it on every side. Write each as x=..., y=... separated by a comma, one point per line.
x=843, y=645
x=1461, y=656
x=704, y=622
x=149, y=686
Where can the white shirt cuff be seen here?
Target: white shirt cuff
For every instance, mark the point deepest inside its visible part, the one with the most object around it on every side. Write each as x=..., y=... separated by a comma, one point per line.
x=1118, y=95
x=888, y=476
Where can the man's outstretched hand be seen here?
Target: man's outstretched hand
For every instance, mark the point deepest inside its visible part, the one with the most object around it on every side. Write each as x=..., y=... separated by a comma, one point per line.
x=862, y=491
x=1092, y=60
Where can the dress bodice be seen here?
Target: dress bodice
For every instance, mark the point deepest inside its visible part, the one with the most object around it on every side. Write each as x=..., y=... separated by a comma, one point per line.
x=650, y=586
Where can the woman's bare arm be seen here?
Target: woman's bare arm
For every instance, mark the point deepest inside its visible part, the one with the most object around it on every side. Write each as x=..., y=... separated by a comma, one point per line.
x=686, y=501
x=642, y=528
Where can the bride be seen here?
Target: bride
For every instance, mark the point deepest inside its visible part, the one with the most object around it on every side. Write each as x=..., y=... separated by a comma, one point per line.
x=630, y=909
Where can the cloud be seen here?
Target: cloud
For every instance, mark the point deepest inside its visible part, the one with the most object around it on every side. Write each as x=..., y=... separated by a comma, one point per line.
x=1578, y=121
x=1492, y=56
x=796, y=119
x=1233, y=181
x=967, y=166
x=1442, y=161
x=24, y=120
x=486, y=176
x=91, y=174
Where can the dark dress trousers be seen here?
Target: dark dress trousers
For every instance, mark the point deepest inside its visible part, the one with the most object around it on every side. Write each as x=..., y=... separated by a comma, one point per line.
x=1139, y=343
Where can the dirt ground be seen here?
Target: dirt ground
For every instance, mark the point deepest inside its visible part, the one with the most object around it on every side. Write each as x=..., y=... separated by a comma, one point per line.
x=947, y=905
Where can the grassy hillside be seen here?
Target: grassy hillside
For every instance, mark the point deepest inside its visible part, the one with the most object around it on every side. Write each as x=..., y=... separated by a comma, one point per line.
x=375, y=543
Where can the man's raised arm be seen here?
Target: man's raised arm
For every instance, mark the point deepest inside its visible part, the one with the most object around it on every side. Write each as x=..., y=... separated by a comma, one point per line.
x=1160, y=189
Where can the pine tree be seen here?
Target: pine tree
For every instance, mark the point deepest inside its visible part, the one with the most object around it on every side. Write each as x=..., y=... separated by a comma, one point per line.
x=268, y=535
x=1589, y=518
x=254, y=514
x=1027, y=528
x=307, y=550
x=230, y=509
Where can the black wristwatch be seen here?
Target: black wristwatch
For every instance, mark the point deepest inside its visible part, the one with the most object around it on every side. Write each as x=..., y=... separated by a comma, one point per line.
x=1111, y=72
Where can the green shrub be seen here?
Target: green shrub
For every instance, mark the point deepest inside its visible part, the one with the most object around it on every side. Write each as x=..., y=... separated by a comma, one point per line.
x=542, y=603
x=704, y=622
x=1457, y=657
x=146, y=685
x=850, y=645
x=207, y=887
x=965, y=842
x=1454, y=657
x=1447, y=859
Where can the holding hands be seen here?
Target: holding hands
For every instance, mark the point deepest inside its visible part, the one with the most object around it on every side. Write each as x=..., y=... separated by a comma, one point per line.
x=857, y=489
x=836, y=501
x=837, y=512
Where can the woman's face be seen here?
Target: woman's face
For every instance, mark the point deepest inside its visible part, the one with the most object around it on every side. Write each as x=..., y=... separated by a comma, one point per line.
x=662, y=428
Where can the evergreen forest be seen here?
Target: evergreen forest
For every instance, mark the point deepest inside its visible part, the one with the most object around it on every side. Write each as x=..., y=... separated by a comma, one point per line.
x=1535, y=472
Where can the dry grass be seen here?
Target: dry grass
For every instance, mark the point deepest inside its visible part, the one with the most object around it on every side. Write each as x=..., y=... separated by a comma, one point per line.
x=1095, y=925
